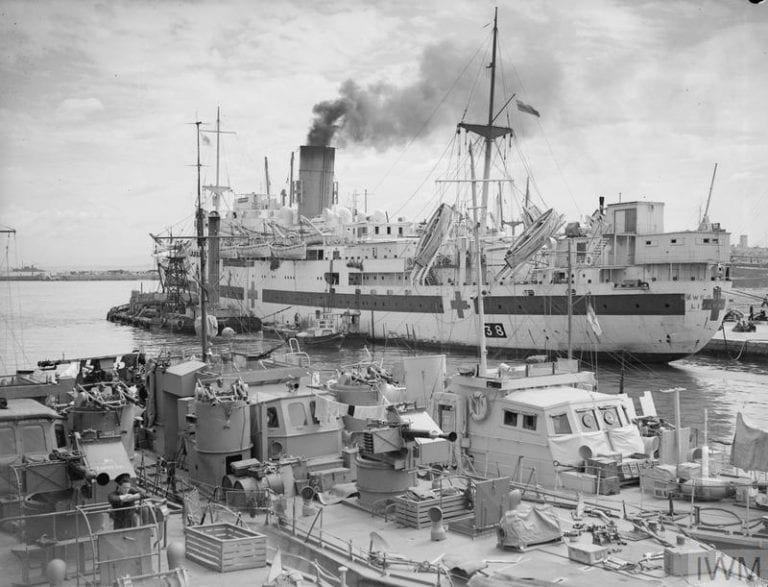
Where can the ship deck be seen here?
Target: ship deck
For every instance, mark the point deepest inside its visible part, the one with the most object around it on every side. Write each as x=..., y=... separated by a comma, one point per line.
x=346, y=532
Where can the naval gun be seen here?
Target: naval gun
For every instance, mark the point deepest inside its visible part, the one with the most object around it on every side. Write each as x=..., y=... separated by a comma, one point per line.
x=403, y=445
x=390, y=453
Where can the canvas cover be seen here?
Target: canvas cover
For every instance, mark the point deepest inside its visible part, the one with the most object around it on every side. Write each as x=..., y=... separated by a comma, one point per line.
x=565, y=447
x=526, y=525
x=750, y=447
x=626, y=440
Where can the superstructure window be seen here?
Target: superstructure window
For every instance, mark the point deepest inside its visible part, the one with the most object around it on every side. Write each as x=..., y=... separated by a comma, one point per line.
x=529, y=422
x=7, y=442
x=587, y=420
x=297, y=414
x=272, y=421
x=560, y=424
x=33, y=439
x=510, y=418
x=610, y=416
x=313, y=411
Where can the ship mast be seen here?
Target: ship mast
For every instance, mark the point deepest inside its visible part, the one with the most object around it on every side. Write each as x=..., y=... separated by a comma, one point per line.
x=489, y=132
x=704, y=223
x=201, y=248
x=218, y=189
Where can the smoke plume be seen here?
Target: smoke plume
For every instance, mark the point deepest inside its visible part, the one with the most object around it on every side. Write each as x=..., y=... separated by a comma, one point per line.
x=383, y=114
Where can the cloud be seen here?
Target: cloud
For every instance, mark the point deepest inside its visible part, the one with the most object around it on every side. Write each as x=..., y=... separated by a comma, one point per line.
x=640, y=98
x=76, y=109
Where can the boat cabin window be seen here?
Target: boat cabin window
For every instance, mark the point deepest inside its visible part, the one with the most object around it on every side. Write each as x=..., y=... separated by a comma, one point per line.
x=313, y=411
x=610, y=416
x=587, y=420
x=529, y=422
x=33, y=439
x=272, y=421
x=61, y=436
x=560, y=424
x=626, y=414
x=7, y=442
x=510, y=418
x=446, y=418
x=297, y=414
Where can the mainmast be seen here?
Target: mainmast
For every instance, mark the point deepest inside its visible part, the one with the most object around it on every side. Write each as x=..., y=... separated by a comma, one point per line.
x=489, y=133
x=218, y=189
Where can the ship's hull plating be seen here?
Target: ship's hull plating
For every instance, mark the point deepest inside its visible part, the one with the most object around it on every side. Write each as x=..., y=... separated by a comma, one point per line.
x=661, y=321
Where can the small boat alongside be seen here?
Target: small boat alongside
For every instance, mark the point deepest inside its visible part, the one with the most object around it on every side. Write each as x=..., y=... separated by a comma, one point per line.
x=325, y=330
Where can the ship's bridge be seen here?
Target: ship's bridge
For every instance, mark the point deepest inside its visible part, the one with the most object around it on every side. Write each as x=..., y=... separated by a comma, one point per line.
x=532, y=376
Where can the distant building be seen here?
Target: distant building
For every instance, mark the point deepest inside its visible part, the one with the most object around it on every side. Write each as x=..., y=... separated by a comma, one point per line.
x=26, y=273
x=749, y=265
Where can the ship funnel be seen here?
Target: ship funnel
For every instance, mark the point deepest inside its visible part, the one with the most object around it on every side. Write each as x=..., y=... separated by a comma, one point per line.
x=315, y=190
x=214, y=222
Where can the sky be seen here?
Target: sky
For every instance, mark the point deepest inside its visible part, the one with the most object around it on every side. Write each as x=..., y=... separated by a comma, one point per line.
x=638, y=100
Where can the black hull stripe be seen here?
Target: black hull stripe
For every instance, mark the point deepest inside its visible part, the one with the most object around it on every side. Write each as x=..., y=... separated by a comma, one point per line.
x=356, y=301
x=644, y=304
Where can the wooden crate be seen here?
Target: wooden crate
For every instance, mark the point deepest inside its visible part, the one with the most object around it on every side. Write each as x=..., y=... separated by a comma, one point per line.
x=225, y=547
x=414, y=513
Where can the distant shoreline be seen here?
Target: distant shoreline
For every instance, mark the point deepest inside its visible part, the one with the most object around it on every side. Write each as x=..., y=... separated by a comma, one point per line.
x=111, y=275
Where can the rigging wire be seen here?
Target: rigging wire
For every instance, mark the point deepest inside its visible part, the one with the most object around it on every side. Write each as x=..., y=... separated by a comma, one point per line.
x=549, y=145
x=13, y=322
x=428, y=120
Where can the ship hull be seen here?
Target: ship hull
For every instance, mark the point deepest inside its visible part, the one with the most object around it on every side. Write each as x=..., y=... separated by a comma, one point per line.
x=655, y=322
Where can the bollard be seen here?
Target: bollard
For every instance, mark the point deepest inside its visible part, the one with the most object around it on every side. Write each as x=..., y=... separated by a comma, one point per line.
x=343, y=576
x=56, y=572
x=175, y=554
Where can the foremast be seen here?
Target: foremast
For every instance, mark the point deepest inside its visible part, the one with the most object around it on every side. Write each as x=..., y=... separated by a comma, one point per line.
x=490, y=133
x=201, y=249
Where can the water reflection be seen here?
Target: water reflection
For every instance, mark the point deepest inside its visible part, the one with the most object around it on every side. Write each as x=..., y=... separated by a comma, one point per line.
x=50, y=320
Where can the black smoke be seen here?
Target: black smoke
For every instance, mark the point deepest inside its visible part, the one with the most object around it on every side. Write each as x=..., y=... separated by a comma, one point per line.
x=385, y=114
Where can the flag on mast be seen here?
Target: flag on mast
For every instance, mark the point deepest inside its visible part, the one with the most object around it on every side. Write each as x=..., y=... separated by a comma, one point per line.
x=592, y=320
x=528, y=109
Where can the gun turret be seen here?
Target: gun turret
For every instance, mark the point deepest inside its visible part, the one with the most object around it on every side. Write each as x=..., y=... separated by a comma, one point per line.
x=409, y=433
x=413, y=440
x=80, y=471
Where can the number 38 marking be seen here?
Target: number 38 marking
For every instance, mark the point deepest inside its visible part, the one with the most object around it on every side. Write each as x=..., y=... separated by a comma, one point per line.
x=495, y=330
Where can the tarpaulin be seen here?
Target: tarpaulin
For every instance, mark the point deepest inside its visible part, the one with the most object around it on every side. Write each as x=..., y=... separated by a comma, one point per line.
x=750, y=447
x=565, y=448
x=626, y=440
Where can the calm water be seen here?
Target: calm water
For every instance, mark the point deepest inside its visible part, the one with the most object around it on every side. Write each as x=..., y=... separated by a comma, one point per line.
x=49, y=320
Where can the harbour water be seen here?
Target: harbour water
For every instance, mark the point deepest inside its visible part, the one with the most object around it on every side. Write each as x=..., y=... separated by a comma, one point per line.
x=52, y=320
